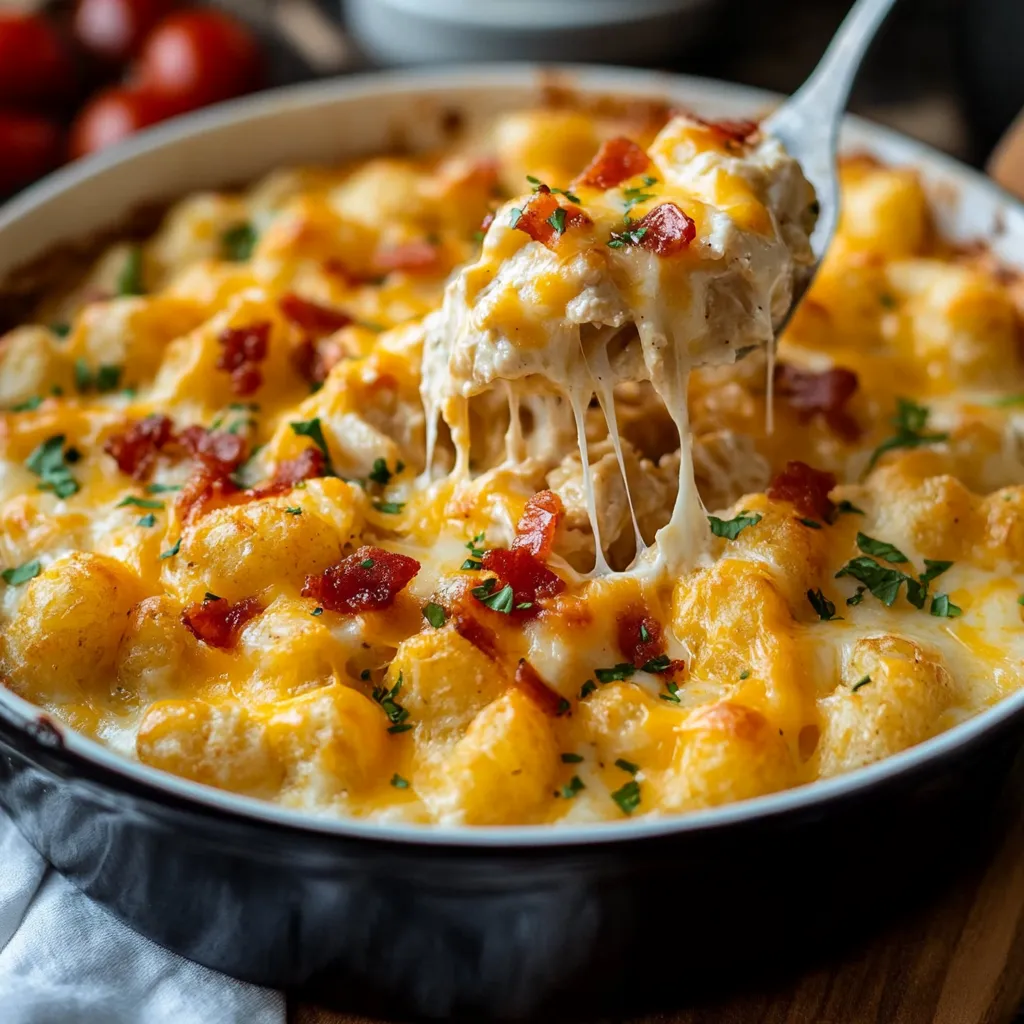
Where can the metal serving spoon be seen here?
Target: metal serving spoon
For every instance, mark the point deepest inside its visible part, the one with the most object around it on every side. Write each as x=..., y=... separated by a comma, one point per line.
x=807, y=124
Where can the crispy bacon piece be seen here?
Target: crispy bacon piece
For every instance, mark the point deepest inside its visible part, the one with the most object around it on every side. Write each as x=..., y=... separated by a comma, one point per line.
x=824, y=393
x=311, y=317
x=217, y=449
x=667, y=231
x=217, y=622
x=244, y=348
x=473, y=630
x=135, y=450
x=309, y=463
x=205, y=488
x=535, y=531
x=365, y=581
x=539, y=218
x=806, y=487
x=417, y=257
x=616, y=160
x=642, y=641
x=738, y=132
x=529, y=681
x=529, y=578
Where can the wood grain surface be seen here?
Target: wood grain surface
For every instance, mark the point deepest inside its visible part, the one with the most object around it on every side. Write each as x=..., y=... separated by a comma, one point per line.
x=959, y=960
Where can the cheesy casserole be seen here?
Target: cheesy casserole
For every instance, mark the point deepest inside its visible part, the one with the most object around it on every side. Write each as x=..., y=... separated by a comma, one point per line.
x=471, y=488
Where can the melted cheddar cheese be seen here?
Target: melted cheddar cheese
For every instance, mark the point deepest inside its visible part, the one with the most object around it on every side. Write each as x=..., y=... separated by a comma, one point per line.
x=227, y=555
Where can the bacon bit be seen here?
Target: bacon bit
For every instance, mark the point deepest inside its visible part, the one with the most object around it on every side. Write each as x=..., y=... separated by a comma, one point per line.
x=529, y=681
x=135, y=450
x=826, y=393
x=311, y=317
x=529, y=578
x=535, y=531
x=309, y=362
x=307, y=465
x=666, y=230
x=482, y=638
x=616, y=160
x=217, y=449
x=206, y=488
x=217, y=623
x=734, y=131
x=535, y=218
x=417, y=257
x=806, y=487
x=244, y=348
x=352, y=586
x=633, y=623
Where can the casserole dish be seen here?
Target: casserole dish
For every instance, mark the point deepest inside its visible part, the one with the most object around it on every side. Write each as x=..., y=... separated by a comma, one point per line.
x=512, y=922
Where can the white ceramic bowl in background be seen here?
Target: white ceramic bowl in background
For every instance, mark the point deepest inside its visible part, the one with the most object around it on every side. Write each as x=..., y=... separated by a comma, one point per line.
x=647, y=32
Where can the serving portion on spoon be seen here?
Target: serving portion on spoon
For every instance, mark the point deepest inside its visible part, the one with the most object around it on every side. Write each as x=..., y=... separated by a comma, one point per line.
x=649, y=264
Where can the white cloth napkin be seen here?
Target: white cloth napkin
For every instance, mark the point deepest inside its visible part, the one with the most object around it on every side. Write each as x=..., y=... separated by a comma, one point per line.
x=64, y=960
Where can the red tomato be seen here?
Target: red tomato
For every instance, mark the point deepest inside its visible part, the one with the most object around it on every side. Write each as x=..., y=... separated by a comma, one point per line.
x=116, y=29
x=199, y=57
x=30, y=146
x=34, y=65
x=112, y=115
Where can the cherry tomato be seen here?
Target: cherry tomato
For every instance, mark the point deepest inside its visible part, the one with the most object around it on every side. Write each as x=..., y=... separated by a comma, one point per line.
x=113, y=115
x=199, y=57
x=34, y=65
x=30, y=146
x=116, y=29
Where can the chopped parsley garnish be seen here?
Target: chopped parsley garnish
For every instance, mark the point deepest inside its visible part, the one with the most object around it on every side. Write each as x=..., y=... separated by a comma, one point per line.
x=645, y=635
x=238, y=242
x=745, y=674
x=499, y=601
x=209, y=596
x=574, y=786
x=391, y=508
x=471, y=563
x=730, y=529
x=910, y=422
x=317, y=612
x=366, y=563
x=633, y=196
x=620, y=239
x=557, y=221
x=241, y=476
x=628, y=797
x=1007, y=401
x=172, y=551
x=365, y=674
x=562, y=707
x=514, y=216
x=1020, y=600
x=61, y=329
x=590, y=686
x=387, y=699
x=398, y=782
x=538, y=185
x=624, y=670
x=138, y=502
x=944, y=608
x=29, y=405
x=848, y=507
x=673, y=693
x=822, y=605
x=856, y=598
x=294, y=510
x=49, y=463
x=863, y=681
x=884, y=583
x=933, y=569
x=19, y=574
x=812, y=523
x=649, y=180
x=571, y=758
x=162, y=488
x=147, y=520
x=313, y=430
x=474, y=546
x=380, y=474
x=434, y=614
x=887, y=301
x=129, y=281
x=627, y=766
x=660, y=663
x=880, y=549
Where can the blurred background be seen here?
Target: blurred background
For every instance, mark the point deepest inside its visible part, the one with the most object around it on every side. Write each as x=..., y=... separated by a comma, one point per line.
x=79, y=75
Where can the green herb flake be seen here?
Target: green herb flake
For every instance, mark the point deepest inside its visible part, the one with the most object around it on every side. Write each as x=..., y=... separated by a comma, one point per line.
x=29, y=405
x=887, y=301
x=856, y=598
x=238, y=242
x=172, y=551
x=294, y=510
x=562, y=708
x=660, y=663
x=572, y=758
x=83, y=375
x=933, y=569
x=317, y=612
x=845, y=507
x=822, y=605
x=910, y=422
x=388, y=700
x=49, y=463
x=730, y=529
x=365, y=674
x=498, y=601
x=943, y=608
x=1020, y=600
x=471, y=564
x=745, y=674
x=627, y=766
x=162, y=488
x=574, y=786
x=475, y=547
x=673, y=693
x=812, y=523
x=880, y=549
x=135, y=502
x=61, y=329
x=147, y=521
x=621, y=239
x=624, y=670
x=590, y=686
x=398, y=782
x=863, y=681
x=391, y=508
x=557, y=221
x=883, y=583
x=380, y=474
x=129, y=281
x=108, y=378
x=210, y=596
x=19, y=574
x=645, y=636
x=313, y=430
x=434, y=614
x=628, y=797
x=366, y=563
